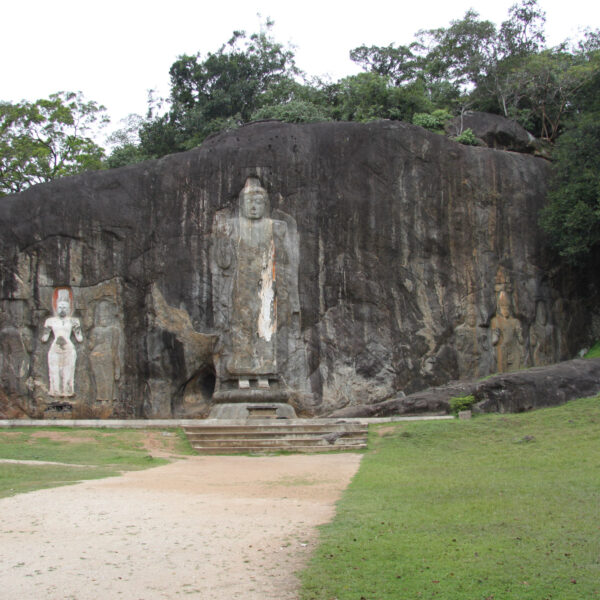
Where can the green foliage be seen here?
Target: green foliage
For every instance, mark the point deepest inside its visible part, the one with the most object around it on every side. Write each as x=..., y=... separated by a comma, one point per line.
x=461, y=53
x=594, y=351
x=46, y=139
x=128, y=154
x=126, y=142
x=467, y=137
x=434, y=121
x=467, y=510
x=220, y=91
x=572, y=216
x=459, y=403
x=295, y=111
x=369, y=96
x=400, y=63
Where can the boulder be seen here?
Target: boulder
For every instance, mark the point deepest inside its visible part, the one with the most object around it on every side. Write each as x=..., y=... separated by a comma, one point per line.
x=412, y=261
x=496, y=132
x=503, y=393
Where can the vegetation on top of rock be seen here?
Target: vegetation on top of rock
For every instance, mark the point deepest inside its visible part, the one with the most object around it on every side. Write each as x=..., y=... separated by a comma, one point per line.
x=467, y=137
x=459, y=403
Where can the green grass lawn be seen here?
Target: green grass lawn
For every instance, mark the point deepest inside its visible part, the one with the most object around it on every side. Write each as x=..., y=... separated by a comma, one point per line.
x=498, y=507
x=100, y=452
x=594, y=351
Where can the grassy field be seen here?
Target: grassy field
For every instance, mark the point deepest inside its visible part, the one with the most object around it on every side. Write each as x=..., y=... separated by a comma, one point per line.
x=499, y=507
x=594, y=351
x=85, y=454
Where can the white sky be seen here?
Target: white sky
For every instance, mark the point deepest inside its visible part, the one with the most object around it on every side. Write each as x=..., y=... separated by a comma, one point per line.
x=114, y=51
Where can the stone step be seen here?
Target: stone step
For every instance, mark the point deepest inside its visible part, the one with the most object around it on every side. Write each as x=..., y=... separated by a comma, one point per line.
x=297, y=435
x=279, y=428
x=267, y=442
x=212, y=438
x=263, y=450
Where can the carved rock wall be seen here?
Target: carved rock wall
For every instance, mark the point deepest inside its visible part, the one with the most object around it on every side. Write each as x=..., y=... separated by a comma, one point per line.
x=407, y=241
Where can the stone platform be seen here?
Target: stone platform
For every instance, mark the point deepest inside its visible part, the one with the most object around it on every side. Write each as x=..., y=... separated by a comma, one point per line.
x=167, y=423
x=252, y=410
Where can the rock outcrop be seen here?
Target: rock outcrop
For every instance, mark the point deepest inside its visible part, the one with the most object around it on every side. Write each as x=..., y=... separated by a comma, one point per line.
x=509, y=392
x=420, y=261
x=497, y=132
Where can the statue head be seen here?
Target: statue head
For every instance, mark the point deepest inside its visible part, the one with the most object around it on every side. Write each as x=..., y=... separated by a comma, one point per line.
x=504, y=307
x=62, y=302
x=254, y=200
x=104, y=313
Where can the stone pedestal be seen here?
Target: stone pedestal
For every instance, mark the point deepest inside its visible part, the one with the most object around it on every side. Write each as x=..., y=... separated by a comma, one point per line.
x=252, y=410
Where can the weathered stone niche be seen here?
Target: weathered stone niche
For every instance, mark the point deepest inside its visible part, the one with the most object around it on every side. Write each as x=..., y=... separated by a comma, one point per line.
x=419, y=261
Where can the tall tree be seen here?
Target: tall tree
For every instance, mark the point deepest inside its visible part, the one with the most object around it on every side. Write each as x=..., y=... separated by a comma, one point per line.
x=221, y=90
x=572, y=216
x=47, y=139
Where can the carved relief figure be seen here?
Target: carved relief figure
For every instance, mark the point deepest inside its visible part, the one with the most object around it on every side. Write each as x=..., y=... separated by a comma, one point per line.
x=471, y=341
x=62, y=354
x=541, y=337
x=15, y=346
x=254, y=285
x=105, y=351
x=507, y=336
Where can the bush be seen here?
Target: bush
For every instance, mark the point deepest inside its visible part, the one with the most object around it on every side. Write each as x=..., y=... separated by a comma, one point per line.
x=467, y=137
x=434, y=121
x=459, y=403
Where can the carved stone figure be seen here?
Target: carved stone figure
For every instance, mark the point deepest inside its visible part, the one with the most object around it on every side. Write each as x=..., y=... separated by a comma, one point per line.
x=105, y=351
x=471, y=341
x=541, y=337
x=15, y=346
x=507, y=336
x=255, y=289
x=62, y=354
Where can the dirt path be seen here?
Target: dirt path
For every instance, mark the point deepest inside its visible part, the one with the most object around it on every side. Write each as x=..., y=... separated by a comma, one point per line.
x=206, y=527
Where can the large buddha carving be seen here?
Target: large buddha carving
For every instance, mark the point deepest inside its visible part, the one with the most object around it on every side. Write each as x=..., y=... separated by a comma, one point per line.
x=255, y=293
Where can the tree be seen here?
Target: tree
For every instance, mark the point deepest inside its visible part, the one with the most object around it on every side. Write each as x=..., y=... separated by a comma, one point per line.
x=572, y=216
x=399, y=63
x=126, y=143
x=47, y=139
x=369, y=96
x=461, y=53
x=220, y=91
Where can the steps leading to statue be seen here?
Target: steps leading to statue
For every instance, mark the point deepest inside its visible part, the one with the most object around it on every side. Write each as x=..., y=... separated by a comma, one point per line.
x=290, y=436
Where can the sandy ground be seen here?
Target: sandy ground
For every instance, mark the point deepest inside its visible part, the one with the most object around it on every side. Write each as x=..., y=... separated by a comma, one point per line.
x=203, y=527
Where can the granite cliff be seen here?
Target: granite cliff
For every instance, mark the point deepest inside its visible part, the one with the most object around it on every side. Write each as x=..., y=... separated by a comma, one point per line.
x=420, y=261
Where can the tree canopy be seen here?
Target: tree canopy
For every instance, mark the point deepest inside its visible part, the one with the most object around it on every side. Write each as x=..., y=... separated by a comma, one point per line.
x=46, y=139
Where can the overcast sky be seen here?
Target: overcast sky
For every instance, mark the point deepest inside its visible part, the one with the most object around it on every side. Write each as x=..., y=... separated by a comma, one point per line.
x=114, y=51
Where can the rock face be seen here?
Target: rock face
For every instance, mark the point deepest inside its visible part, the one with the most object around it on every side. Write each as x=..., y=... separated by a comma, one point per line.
x=418, y=261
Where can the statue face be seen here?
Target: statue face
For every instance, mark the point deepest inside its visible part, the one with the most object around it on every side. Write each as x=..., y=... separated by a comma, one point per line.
x=62, y=309
x=504, y=306
x=254, y=203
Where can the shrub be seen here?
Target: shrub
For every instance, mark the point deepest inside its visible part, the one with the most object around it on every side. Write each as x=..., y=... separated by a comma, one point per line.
x=459, y=403
x=467, y=137
x=434, y=121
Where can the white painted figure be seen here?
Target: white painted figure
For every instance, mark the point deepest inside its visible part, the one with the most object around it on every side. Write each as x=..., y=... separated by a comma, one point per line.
x=62, y=354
